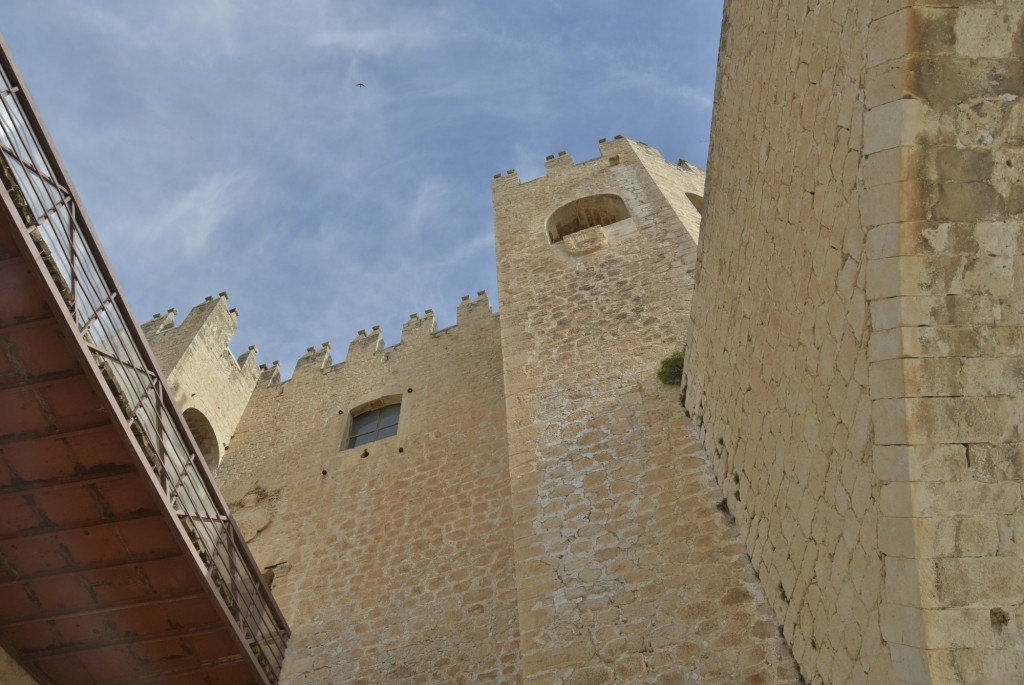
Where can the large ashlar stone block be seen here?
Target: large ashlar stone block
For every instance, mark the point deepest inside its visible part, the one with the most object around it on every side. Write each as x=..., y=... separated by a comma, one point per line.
x=943, y=499
x=889, y=37
x=894, y=124
x=999, y=238
x=955, y=309
x=980, y=666
x=887, y=82
x=896, y=500
x=894, y=312
x=972, y=535
x=986, y=121
x=973, y=627
x=966, y=581
x=999, y=376
x=997, y=462
x=939, y=376
x=946, y=82
x=964, y=200
x=901, y=463
x=962, y=420
x=891, y=165
x=964, y=341
x=984, y=32
x=947, y=239
x=909, y=665
x=888, y=344
x=884, y=204
x=903, y=624
x=910, y=276
x=897, y=535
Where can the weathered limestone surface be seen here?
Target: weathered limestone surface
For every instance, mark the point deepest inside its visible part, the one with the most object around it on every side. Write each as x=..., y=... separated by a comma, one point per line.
x=944, y=137
x=392, y=561
x=854, y=367
x=855, y=358
x=625, y=570
x=777, y=364
x=210, y=386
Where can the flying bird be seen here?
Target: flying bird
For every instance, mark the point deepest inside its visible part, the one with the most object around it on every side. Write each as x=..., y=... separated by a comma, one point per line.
x=361, y=85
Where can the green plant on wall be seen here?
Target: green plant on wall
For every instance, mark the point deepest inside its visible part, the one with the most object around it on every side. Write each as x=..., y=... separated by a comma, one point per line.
x=671, y=371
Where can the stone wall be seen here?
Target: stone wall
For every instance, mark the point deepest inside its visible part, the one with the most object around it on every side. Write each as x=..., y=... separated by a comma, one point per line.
x=855, y=358
x=943, y=198
x=392, y=561
x=777, y=366
x=625, y=570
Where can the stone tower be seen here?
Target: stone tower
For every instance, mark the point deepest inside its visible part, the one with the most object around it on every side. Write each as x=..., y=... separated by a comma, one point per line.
x=209, y=384
x=624, y=568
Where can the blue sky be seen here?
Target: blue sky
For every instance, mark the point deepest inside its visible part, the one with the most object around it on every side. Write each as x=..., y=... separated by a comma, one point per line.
x=223, y=145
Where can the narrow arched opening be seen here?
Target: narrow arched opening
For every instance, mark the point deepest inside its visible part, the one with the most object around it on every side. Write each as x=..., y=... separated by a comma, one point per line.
x=205, y=436
x=584, y=213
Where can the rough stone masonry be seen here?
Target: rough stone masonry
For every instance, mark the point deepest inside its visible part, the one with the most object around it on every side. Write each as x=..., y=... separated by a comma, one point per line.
x=838, y=500
x=855, y=357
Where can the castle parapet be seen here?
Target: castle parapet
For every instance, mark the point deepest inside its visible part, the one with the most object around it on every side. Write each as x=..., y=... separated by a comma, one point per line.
x=552, y=162
x=416, y=329
x=417, y=332
x=562, y=163
x=270, y=375
x=160, y=323
x=470, y=309
x=210, y=324
x=247, y=360
x=314, y=360
x=510, y=177
x=365, y=346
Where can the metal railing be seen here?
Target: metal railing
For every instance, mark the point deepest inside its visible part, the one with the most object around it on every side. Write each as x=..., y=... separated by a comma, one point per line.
x=34, y=178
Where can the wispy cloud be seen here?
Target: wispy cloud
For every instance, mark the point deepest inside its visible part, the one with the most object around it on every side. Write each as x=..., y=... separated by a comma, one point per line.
x=213, y=140
x=658, y=86
x=191, y=218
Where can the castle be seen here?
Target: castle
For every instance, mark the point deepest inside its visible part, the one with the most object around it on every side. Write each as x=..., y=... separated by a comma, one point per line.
x=527, y=501
x=833, y=494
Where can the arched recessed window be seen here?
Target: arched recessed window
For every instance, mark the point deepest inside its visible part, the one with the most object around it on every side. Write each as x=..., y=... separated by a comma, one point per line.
x=374, y=424
x=206, y=438
x=587, y=212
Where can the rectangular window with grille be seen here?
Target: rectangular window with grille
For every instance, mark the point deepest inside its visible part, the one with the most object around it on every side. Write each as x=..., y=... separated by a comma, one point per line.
x=374, y=425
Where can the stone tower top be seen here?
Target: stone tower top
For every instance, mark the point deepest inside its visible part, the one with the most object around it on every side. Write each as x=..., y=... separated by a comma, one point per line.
x=580, y=208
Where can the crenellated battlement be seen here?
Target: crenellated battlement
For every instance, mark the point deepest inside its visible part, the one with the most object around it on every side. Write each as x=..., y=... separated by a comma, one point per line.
x=418, y=332
x=595, y=206
x=247, y=359
x=417, y=328
x=612, y=153
x=210, y=321
x=553, y=163
x=315, y=359
x=212, y=312
x=270, y=375
x=365, y=345
x=470, y=309
x=160, y=322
